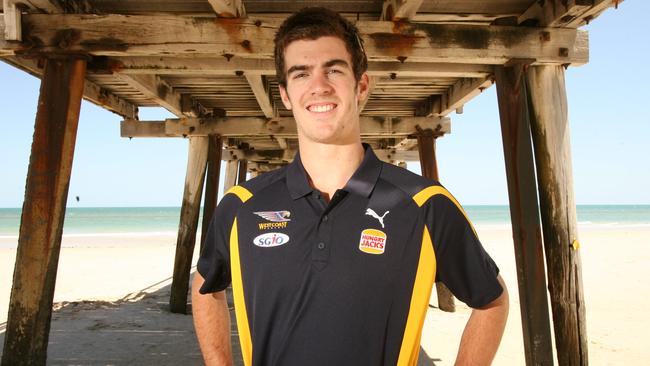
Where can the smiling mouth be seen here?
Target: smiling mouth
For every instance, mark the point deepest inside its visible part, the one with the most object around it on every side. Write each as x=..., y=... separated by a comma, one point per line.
x=321, y=108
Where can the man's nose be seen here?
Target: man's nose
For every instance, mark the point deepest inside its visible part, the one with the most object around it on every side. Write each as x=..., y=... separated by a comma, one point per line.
x=320, y=84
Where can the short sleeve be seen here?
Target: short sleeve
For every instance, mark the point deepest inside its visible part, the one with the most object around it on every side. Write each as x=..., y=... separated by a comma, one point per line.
x=214, y=260
x=462, y=263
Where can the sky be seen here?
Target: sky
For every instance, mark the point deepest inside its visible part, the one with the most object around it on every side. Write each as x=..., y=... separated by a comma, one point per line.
x=610, y=129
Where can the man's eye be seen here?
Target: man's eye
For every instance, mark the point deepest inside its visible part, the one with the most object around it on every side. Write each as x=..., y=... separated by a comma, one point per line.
x=334, y=71
x=299, y=75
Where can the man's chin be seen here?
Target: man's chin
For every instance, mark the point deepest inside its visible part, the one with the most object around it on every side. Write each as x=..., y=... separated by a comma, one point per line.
x=324, y=140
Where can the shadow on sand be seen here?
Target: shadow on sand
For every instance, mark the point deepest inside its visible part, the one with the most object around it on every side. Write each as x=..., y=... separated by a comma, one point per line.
x=138, y=329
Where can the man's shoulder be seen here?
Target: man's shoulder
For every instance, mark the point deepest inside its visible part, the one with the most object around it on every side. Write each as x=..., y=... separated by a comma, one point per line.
x=406, y=181
x=254, y=186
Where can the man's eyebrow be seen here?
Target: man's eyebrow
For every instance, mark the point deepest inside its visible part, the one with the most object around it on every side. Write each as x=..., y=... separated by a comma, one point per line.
x=329, y=63
x=335, y=62
x=297, y=68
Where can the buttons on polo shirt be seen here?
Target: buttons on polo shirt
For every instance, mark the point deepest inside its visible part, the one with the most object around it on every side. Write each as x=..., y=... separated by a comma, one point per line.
x=325, y=217
x=321, y=245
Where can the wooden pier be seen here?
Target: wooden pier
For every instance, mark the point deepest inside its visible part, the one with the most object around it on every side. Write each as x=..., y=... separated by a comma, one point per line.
x=210, y=63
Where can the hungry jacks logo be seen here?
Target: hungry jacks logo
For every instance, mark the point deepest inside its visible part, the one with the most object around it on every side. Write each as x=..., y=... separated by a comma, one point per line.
x=372, y=241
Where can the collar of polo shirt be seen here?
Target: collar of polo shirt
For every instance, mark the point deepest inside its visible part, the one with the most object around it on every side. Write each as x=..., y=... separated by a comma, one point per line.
x=362, y=182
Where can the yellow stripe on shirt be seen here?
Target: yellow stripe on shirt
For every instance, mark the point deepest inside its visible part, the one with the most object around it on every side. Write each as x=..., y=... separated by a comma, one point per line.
x=241, y=192
x=238, y=297
x=424, y=195
x=424, y=278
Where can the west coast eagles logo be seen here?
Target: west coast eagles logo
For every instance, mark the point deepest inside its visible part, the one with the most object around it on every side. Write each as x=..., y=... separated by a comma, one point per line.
x=278, y=219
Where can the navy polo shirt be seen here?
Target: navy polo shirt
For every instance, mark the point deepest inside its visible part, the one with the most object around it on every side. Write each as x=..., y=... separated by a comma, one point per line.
x=345, y=282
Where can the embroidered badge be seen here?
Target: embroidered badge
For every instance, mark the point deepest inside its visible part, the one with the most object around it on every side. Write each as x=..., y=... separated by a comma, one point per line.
x=371, y=212
x=372, y=241
x=274, y=216
x=271, y=240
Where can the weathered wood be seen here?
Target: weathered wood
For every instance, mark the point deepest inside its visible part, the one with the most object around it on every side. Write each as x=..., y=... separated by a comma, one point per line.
x=189, y=220
x=456, y=96
x=524, y=213
x=262, y=93
x=12, y=20
x=429, y=167
x=550, y=131
x=230, y=179
x=564, y=13
x=399, y=9
x=228, y=8
x=287, y=155
x=598, y=7
x=44, y=6
x=168, y=35
x=153, y=87
x=46, y=193
x=203, y=66
x=242, y=170
x=554, y=13
x=213, y=171
x=280, y=127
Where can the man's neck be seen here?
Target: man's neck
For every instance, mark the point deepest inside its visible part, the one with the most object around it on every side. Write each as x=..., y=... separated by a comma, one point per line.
x=329, y=167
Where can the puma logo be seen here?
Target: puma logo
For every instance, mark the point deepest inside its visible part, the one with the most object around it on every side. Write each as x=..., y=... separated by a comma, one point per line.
x=371, y=212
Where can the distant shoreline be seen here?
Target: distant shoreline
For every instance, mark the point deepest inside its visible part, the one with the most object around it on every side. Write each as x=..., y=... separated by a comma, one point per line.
x=114, y=222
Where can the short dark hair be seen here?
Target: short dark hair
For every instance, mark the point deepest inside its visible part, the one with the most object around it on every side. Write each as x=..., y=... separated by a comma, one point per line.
x=313, y=23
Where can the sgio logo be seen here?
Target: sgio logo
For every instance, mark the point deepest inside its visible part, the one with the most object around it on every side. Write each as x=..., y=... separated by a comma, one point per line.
x=271, y=240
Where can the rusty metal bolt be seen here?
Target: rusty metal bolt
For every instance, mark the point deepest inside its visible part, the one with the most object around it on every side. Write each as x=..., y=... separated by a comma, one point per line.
x=564, y=52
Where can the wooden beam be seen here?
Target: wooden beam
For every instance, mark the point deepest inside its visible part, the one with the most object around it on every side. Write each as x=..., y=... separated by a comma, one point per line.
x=399, y=9
x=524, y=213
x=230, y=179
x=12, y=20
x=264, y=167
x=562, y=13
x=553, y=13
x=550, y=131
x=428, y=69
x=44, y=6
x=103, y=98
x=286, y=156
x=204, y=66
x=194, y=176
x=46, y=192
x=213, y=172
x=427, y=153
x=92, y=92
x=262, y=93
x=242, y=170
x=169, y=35
x=228, y=8
x=280, y=127
x=458, y=94
x=154, y=88
x=590, y=14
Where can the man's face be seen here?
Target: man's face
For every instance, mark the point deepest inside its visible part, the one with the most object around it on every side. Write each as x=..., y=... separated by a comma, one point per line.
x=322, y=92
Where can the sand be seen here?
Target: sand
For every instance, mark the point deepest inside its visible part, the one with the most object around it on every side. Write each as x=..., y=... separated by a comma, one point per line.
x=125, y=318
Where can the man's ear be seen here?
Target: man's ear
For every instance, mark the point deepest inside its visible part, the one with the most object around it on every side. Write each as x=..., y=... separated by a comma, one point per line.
x=363, y=88
x=285, y=97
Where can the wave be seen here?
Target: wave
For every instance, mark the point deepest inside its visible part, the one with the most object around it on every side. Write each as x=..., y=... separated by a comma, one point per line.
x=117, y=234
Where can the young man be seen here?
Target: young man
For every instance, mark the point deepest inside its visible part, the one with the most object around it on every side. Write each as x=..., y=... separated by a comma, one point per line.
x=332, y=258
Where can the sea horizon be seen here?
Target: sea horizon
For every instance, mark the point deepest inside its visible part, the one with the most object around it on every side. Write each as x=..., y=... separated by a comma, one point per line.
x=164, y=220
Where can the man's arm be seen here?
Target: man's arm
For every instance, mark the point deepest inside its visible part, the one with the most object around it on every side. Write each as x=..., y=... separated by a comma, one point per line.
x=212, y=324
x=483, y=331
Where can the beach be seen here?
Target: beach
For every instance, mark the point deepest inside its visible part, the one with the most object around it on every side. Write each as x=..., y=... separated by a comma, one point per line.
x=114, y=287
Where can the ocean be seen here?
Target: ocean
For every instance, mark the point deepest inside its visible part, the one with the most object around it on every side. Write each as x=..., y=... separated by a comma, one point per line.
x=159, y=220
